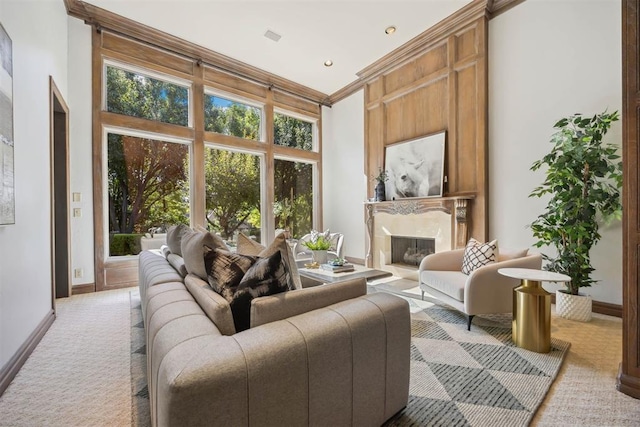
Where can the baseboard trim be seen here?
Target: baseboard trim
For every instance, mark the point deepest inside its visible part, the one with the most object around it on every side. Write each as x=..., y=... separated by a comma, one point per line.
x=85, y=288
x=627, y=384
x=353, y=260
x=599, y=307
x=12, y=367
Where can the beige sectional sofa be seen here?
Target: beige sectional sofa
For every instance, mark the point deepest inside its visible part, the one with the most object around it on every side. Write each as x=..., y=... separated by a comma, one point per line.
x=329, y=355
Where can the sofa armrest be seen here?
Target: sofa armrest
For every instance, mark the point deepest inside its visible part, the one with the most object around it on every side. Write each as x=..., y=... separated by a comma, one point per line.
x=443, y=261
x=288, y=304
x=347, y=364
x=487, y=291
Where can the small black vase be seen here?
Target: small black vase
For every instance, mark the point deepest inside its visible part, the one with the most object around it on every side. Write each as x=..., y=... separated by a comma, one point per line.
x=379, y=192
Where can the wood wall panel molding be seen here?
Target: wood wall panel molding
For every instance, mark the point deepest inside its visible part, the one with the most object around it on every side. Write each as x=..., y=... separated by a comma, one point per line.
x=425, y=40
x=442, y=87
x=103, y=19
x=628, y=380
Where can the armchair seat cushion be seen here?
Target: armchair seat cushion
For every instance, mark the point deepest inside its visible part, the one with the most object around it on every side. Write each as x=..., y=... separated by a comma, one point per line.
x=450, y=283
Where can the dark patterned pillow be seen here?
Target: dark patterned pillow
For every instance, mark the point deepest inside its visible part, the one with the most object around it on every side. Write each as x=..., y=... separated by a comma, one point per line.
x=268, y=276
x=477, y=254
x=225, y=270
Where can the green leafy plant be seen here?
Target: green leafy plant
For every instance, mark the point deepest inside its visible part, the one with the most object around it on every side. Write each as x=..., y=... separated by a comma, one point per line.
x=584, y=178
x=321, y=243
x=382, y=176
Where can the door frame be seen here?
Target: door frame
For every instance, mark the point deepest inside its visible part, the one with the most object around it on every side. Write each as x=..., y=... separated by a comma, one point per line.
x=55, y=95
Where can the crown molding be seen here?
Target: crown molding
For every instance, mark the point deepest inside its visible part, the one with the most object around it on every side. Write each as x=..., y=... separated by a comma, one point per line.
x=104, y=19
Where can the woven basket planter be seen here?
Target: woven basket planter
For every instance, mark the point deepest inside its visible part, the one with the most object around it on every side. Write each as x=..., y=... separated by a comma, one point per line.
x=573, y=307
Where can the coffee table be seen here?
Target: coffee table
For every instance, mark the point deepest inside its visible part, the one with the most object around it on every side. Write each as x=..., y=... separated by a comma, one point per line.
x=316, y=276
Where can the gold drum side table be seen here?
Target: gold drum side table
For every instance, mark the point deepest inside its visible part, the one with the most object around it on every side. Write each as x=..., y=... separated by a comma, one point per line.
x=531, y=327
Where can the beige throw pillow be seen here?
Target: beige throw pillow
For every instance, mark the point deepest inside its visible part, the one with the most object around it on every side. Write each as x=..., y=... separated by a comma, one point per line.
x=246, y=246
x=174, y=238
x=193, y=251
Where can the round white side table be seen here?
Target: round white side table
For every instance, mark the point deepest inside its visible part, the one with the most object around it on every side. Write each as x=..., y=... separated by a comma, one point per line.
x=531, y=327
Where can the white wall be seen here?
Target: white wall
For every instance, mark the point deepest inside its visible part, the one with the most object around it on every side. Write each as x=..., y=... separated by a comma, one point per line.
x=80, y=151
x=548, y=60
x=344, y=182
x=38, y=30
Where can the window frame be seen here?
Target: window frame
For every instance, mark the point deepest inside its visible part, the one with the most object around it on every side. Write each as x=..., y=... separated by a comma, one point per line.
x=263, y=178
x=210, y=91
x=106, y=130
x=146, y=72
x=315, y=134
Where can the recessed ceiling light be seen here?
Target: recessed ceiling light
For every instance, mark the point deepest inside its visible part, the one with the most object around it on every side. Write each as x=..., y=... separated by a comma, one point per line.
x=328, y=63
x=390, y=29
x=272, y=35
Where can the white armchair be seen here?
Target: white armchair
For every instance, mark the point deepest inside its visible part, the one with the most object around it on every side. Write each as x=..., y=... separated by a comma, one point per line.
x=301, y=252
x=484, y=291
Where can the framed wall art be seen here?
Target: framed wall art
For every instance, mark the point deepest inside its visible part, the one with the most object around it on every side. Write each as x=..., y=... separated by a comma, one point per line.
x=415, y=167
x=7, y=197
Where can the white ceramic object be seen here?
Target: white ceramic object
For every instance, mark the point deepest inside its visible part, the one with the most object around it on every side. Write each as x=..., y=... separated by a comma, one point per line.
x=573, y=307
x=319, y=256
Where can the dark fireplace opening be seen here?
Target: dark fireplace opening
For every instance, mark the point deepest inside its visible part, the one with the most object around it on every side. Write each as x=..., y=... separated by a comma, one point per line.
x=410, y=250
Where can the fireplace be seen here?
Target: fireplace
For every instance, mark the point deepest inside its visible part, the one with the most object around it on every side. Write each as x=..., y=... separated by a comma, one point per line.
x=409, y=251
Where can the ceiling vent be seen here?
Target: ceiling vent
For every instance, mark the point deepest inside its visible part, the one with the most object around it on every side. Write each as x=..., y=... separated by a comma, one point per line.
x=273, y=36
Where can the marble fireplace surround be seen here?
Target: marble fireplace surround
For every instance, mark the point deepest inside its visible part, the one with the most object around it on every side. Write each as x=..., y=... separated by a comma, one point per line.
x=441, y=218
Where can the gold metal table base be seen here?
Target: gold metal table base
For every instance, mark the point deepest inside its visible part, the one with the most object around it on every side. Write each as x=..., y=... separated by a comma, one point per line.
x=532, y=317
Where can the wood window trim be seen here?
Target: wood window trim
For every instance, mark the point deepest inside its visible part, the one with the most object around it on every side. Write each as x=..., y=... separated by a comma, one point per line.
x=117, y=272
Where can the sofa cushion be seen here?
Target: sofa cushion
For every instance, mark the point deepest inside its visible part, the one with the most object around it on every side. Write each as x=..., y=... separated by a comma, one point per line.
x=193, y=244
x=177, y=262
x=448, y=282
x=247, y=246
x=215, y=306
x=477, y=254
x=225, y=270
x=174, y=238
x=268, y=309
x=508, y=254
x=267, y=276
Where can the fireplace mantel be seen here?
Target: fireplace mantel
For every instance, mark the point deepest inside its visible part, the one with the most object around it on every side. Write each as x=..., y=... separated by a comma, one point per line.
x=456, y=206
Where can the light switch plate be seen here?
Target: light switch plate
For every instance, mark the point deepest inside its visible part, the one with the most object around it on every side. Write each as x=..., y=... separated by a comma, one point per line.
x=77, y=212
x=77, y=197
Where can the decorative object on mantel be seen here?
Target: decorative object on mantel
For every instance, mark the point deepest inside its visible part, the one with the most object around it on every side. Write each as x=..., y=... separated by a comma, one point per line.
x=584, y=178
x=381, y=178
x=416, y=167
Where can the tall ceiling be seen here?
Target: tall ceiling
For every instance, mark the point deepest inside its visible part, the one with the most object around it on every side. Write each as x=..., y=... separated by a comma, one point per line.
x=350, y=33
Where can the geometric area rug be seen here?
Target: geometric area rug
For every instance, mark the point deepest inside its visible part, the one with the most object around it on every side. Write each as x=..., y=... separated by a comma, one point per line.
x=460, y=378
x=473, y=378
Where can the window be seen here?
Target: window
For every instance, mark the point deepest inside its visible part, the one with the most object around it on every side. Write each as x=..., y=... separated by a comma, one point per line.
x=232, y=185
x=231, y=118
x=293, y=132
x=293, y=198
x=147, y=187
x=137, y=95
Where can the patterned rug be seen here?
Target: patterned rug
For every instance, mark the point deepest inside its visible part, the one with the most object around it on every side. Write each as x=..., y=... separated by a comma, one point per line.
x=458, y=377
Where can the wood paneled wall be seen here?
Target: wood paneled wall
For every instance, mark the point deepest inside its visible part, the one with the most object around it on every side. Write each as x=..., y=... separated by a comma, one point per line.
x=629, y=375
x=441, y=87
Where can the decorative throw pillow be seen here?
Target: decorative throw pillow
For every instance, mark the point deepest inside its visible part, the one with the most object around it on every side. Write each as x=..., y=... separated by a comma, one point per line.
x=268, y=276
x=246, y=246
x=174, y=238
x=225, y=270
x=192, y=251
x=477, y=254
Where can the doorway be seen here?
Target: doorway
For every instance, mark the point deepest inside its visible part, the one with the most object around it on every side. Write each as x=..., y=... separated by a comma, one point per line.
x=59, y=155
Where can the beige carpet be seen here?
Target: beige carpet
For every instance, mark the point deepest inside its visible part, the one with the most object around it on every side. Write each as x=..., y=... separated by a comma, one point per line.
x=79, y=375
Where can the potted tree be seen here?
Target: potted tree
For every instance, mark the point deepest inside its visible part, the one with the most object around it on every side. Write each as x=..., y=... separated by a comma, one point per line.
x=380, y=179
x=583, y=178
